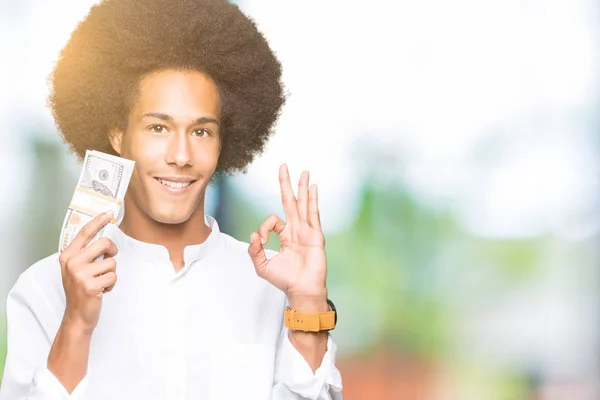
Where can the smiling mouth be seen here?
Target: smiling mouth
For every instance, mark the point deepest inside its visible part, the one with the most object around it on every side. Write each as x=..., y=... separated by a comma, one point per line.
x=175, y=184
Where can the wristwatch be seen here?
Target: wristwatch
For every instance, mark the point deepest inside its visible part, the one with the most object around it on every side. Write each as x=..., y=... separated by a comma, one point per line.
x=310, y=322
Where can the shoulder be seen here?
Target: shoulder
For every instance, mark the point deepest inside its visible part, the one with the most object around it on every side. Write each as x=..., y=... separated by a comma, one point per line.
x=42, y=281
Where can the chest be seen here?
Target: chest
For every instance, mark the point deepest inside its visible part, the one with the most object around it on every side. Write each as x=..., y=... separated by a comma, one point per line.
x=200, y=336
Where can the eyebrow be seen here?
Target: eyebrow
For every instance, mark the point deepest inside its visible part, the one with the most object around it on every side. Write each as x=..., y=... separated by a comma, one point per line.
x=166, y=117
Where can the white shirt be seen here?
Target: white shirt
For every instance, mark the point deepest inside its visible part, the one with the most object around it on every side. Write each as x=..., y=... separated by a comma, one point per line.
x=213, y=330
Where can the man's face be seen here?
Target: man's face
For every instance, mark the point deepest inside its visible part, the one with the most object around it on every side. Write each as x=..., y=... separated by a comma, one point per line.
x=173, y=137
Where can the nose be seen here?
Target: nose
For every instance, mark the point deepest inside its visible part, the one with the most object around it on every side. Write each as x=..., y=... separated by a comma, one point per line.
x=179, y=152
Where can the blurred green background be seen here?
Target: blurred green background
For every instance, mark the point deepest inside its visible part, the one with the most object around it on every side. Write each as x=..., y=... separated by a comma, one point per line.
x=456, y=150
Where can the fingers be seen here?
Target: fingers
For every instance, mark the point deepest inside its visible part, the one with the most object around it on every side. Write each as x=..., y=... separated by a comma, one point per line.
x=86, y=272
x=87, y=256
x=94, y=278
x=314, y=218
x=99, y=247
x=104, y=274
x=89, y=230
x=103, y=267
x=107, y=281
x=302, y=202
x=287, y=195
x=257, y=254
x=272, y=224
x=83, y=262
x=112, y=250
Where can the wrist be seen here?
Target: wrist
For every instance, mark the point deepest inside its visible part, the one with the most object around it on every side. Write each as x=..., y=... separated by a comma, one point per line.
x=75, y=327
x=309, y=303
x=69, y=354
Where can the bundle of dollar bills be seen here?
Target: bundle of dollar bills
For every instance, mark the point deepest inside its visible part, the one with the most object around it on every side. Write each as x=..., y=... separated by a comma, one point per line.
x=101, y=187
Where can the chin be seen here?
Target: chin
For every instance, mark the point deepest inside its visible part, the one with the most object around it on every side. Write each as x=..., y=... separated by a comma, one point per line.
x=171, y=218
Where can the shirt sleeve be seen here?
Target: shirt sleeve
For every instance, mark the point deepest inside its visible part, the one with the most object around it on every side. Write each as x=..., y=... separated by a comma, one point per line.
x=26, y=376
x=295, y=380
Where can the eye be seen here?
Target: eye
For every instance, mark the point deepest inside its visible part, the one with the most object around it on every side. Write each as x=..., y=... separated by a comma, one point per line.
x=202, y=132
x=158, y=129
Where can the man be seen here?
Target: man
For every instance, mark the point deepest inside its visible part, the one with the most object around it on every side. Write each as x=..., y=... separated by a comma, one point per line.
x=186, y=89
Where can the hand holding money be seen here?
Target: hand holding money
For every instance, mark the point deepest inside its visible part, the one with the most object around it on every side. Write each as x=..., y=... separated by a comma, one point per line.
x=84, y=280
x=101, y=187
x=87, y=264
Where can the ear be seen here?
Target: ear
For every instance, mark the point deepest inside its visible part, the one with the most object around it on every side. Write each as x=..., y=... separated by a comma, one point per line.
x=116, y=139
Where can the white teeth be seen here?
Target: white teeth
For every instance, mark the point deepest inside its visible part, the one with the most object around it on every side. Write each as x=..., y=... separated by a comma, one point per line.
x=176, y=185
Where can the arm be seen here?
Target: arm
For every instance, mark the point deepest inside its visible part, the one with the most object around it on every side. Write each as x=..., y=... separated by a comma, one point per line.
x=305, y=361
x=295, y=379
x=26, y=375
x=311, y=345
x=49, y=362
x=84, y=281
x=68, y=358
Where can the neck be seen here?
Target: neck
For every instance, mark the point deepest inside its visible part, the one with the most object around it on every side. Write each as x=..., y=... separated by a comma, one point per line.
x=175, y=237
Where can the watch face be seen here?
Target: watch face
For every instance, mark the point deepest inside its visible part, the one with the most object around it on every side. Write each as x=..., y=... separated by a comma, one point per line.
x=332, y=306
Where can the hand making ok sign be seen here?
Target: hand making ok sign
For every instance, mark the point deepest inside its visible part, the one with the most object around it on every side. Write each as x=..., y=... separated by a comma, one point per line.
x=300, y=268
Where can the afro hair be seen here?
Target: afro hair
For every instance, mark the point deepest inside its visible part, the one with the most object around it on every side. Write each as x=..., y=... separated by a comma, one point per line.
x=96, y=79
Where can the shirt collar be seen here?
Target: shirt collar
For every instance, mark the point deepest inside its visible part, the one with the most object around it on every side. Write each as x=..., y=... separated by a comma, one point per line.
x=130, y=247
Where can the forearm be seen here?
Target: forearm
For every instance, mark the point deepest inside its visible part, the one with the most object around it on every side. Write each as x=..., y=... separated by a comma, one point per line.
x=68, y=358
x=311, y=345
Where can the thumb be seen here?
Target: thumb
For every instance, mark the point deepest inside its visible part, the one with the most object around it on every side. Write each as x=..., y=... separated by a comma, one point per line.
x=257, y=254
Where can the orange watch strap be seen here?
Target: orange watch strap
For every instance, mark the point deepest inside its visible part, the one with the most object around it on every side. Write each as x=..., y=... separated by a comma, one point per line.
x=307, y=322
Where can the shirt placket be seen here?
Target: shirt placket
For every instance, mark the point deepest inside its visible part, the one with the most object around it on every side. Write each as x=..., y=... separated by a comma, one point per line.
x=176, y=370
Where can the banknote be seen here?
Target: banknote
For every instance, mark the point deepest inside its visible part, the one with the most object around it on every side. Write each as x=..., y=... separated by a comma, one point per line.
x=101, y=187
